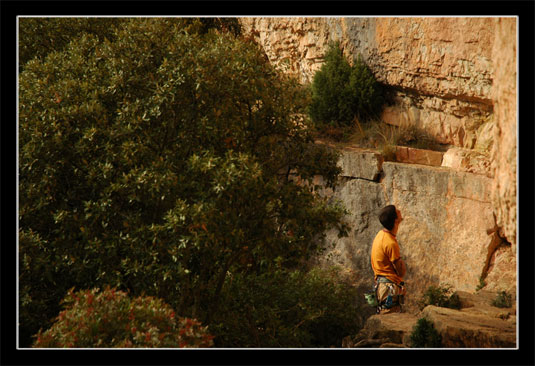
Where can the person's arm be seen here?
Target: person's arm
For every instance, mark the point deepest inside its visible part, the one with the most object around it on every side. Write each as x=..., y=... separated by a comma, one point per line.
x=399, y=267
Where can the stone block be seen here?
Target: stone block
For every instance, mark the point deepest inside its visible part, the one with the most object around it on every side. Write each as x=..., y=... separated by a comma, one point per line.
x=360, y=164
x=470, y=329
x=394, y=328
x=411, y=155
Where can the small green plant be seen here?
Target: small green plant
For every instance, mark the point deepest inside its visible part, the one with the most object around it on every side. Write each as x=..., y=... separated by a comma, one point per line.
x=454, y=302
x=503, y=300
x=111, y=319
x=440, y=296
x=424, y=335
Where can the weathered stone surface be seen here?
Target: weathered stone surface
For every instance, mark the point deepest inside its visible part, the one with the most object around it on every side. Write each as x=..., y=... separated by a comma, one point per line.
x=469, y=328
x=384, y=329
x=485, y=137
x=392, y=345
x=504, y=151
x=466, y=160
x=449, y=121
x=434, y=55
x=501, y=274
x=446, y=234
x=458, y=85
x=363, y=199
x=480, y=302
x=357, y=164
x=443, y=237
x=418, y=156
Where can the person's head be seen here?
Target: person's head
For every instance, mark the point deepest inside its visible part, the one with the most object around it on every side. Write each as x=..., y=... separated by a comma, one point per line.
x=390, y=217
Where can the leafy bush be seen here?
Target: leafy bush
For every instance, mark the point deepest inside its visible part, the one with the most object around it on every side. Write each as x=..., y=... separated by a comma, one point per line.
x=503, y=300
x=154, y=160
x=111, y=319
x=39, y=283
x=366, y=93
x=286, y=309
x=440, y=296
x=424, y=335
x=39, y=36
x=341, y=92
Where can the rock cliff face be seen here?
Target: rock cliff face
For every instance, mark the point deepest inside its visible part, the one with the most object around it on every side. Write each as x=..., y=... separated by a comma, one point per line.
x=440, y=70
x=504, y=153
x=448, y=235
x=455, y=78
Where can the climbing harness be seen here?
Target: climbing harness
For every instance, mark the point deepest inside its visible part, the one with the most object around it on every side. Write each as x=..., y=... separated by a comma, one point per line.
x=395, y=294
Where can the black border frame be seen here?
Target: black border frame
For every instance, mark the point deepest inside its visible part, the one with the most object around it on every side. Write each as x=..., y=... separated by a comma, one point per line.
x=525, y=11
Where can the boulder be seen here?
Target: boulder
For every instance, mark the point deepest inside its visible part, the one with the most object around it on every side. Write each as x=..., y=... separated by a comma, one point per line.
x=384, y=330
x=470, y=328
x=363, y=199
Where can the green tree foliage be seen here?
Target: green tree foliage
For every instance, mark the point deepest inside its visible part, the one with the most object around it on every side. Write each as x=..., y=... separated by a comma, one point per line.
x=40, y=36
x=424, y=335
x=341, y=92
x=111, y=319
x=286, y=309
x=155, y=160
x=38, y=289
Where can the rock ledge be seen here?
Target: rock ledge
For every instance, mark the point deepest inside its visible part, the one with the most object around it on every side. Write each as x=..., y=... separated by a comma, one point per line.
x=476, y=325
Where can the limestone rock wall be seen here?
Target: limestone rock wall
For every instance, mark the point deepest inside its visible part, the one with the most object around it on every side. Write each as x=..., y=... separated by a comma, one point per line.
x=455, y=78
x=504, y=153
x=439, y=69
x=448, y=235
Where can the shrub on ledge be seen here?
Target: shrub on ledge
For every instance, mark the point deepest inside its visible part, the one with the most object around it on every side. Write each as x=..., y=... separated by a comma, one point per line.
x=440, y=296
x=341, y=92
x=424, y=335
x=503, y=300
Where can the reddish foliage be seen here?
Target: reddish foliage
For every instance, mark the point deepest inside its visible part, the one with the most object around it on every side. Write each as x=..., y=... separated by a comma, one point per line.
x=150, y=323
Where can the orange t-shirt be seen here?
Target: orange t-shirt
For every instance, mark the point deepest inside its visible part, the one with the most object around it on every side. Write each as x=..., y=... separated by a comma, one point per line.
x=385, y=251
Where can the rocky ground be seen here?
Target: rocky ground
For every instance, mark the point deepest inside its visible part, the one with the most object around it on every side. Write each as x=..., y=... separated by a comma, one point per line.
x=477, y=324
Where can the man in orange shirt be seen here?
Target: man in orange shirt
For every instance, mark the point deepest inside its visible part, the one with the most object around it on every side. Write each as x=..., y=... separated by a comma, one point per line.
x=387, y=264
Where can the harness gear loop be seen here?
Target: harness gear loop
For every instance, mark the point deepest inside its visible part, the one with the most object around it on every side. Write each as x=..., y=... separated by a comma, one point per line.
x=394, y=295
